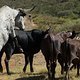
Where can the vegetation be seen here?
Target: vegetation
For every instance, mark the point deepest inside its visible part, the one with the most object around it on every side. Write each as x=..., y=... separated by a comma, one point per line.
x=51, y=7
x=59, y=14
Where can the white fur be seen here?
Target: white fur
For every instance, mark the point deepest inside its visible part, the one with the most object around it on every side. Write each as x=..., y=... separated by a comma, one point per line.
x=7, y=24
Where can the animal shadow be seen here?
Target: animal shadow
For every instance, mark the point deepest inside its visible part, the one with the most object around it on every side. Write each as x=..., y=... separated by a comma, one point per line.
x=38, y=77
x=60, y=78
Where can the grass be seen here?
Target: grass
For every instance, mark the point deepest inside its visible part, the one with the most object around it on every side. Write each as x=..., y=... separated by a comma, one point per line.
x=58, y=24
x=40, y=71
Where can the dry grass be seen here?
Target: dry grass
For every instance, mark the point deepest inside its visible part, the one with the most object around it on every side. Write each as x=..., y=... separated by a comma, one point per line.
x=40, y=71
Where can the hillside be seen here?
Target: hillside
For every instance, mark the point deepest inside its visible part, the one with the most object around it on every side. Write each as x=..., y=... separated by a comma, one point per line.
x=51, y=7
x=59, y=14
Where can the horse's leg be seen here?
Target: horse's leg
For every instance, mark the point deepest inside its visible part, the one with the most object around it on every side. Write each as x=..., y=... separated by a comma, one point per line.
x=31, y=63
x=26, y=62
x=1, y=68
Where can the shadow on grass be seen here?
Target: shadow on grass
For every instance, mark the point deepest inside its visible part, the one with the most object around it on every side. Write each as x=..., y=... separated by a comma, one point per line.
x=41, y=77
x=33, y=76
x=38, y=77
x=60, y=78
x=11, y=73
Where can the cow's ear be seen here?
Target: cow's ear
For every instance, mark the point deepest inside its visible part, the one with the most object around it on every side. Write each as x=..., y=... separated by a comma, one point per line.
x=22, y=12
x=20, y=9
x=48, y=30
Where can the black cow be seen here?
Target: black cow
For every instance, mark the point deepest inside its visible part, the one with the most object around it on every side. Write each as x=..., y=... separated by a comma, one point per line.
x=49, y=51
x=30, y=42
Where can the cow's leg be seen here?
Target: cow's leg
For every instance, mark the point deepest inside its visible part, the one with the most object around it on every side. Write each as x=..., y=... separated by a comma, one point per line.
x=8, y=50
x=1, y=68
x=31, y=63
x=7, y=65
x=26, y=62
x=7, y=58
x=72, y=66
x=48, y=68
x=48, y=65
x=60, y=60
x=62, y=68
x=67, y=71
x=53, y=66
x=78, y=65
x=51, y=69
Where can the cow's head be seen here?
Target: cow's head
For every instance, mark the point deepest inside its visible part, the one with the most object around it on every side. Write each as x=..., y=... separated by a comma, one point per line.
x=66, y=35
x=19, y=19
x=73, y=34
x=24, y=12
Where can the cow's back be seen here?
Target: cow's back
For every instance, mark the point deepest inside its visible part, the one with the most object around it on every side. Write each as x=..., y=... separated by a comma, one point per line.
x=7, y=12
x=28, y=41
x=22, y=38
